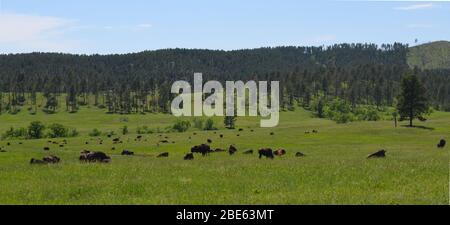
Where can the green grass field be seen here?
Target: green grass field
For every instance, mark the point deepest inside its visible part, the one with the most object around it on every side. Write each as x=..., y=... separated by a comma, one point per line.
x=335, y=170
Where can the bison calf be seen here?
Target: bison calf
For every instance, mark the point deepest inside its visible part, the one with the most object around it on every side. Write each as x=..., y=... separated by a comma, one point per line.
x=189, y=156
x=127, y=152
x=232, y=150
x=280, y=152
x=442, y=144
x=379, y=154
x=163, y=155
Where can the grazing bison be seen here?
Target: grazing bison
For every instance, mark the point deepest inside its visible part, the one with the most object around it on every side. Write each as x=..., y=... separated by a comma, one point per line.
x=189, y=156
x=127, y=152
x=204, y=149
x=113, y=148
x=87, y=143
x=209, y=141
x=232, y=150
x=238, y=135
x=51, y=159
x=379, y=154
x=252, y=130
x=248, y=152
x=2, y=151
x=46, y=149
x=61, y=146
x=139, y=137
x=280, y=152
x=46, y=160
x=116, y=139
x=272, y=133
x=164, y=141
x=299, y=154
x=221, y=136
x=88, y=156
x=442, y=144
x=241, y=129
x=315, y=131
x=163, y=155
x=267, y=152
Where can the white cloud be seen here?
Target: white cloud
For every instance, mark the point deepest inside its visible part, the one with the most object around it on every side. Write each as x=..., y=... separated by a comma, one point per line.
x=33, y=33
x=144, y=25
x=417, y=7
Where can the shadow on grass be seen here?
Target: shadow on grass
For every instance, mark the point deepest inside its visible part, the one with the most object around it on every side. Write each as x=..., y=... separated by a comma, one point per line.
x=419, y=127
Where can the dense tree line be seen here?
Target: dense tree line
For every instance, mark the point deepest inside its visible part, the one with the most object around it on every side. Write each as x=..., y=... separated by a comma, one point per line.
x=141, y=82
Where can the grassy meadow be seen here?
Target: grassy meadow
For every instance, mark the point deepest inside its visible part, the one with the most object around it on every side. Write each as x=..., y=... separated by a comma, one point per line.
x=335, y=170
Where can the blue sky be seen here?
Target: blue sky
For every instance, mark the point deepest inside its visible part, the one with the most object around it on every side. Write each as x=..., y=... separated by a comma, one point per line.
x=123, y=26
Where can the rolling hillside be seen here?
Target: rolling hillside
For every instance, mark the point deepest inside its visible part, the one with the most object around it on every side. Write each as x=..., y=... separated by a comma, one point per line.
x=434, y=55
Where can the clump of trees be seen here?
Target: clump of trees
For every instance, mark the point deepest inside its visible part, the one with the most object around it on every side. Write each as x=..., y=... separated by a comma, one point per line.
x=181, y=126
x=37, y=130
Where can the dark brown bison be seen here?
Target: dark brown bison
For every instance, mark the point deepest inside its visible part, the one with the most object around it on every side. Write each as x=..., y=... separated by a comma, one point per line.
x=272, y=133
x=61, y=146
x=92, y=157
x=299, y=154
x=163, y=155
x=46, y=149
x=379, y=154
x=189, y=156
x=127, y=152
x=248, y=152
x=51, y=159
x=241, y=129
x=232, y=150
x=267, y=152
x=221, y=136
x=164, y=141
x=280, y=152
x=204, y=149
x=209, y=141
x=315, y=131
x=46, y=160
x=442, y=144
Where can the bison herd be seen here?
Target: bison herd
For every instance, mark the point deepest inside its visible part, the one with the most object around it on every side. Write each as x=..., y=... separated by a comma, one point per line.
x=203, y=149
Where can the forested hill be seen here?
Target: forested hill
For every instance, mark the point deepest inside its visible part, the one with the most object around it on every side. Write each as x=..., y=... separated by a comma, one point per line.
x=357, y=73
x=434, y=55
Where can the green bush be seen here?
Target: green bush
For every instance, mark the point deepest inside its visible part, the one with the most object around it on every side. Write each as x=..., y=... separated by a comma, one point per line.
x=181, y=126
x=15, y=133
x=125, y=130
x=95, y=133
x=36, y=130
x=57, y=130
x=209, y=125
x=198, y=123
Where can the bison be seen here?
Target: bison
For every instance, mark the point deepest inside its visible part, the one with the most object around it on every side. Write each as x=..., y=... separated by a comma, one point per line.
x=209, y=141
x=46, y=149
x=204, y=149
x=280, y=152
x=442, y=144
x=248, y=152
x=267, y=152
x=379, y=154
x=299, y=154
x=232, y=150
x=46, y=160
x=88, y=156
x=163, y=155
x=189, y=156
x=127, y=152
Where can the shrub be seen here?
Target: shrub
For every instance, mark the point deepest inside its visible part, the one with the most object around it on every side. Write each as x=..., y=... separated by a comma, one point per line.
x=57, y=130
x=144, y=130
x=95, y=133
x=124, y=130
x=209, y=125
x=36, y=130
x=15, y=133
x=182, y=126
x=198, y=123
